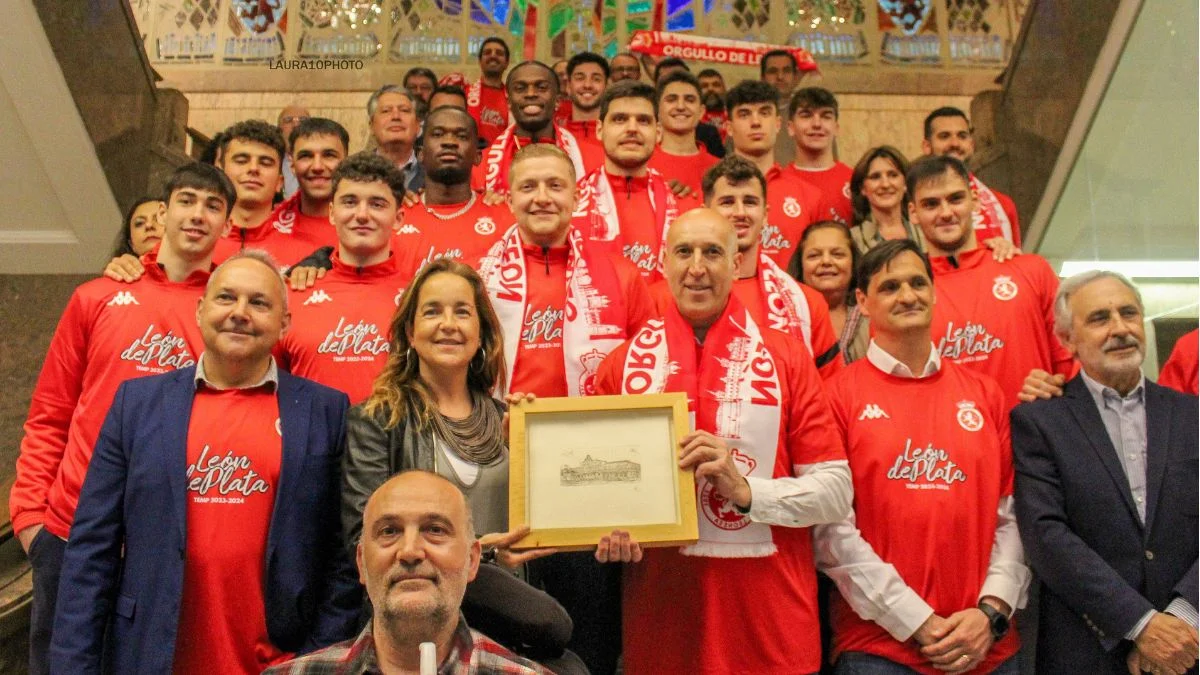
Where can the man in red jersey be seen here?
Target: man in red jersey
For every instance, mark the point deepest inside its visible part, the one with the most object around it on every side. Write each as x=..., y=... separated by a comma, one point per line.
x=679, y=154
x=339, y=334
x=930, y=563
x=792, y=205
x=814, y=127
x=997, y=318
x=110, y=332
x=252, y=156
x=532, y=89
x=625, y=205
x=449, y=220
x=487, y=97
x=207, y=538
x=587, y=76
x=949, y=132
x=768, y=466
x=737, y=190
x=564, y=303
x=712, y=91
x=1180, y=372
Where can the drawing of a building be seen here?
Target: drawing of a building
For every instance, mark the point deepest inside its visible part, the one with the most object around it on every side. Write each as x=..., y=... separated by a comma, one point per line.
x=599, y=471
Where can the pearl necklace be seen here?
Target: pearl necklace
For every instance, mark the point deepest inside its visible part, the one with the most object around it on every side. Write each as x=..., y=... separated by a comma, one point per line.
x=449, y=216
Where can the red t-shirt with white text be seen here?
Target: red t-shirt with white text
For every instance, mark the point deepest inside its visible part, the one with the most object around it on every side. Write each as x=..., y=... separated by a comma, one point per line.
x=792, y=205
x=340, y=326
x=234, y=453
x=997, y=318
x=930, y=459
x=424, y=237
x=491, y=115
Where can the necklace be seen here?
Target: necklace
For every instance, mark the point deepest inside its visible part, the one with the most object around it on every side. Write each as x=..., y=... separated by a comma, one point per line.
x=449, y=216
x=477, y=438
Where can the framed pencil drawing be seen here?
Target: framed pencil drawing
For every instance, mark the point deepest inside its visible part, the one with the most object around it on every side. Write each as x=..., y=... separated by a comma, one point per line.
x=581, y=467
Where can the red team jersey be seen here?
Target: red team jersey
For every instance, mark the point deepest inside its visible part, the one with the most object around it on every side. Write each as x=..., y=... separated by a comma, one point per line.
x=540, y=366
x=930, y=459
x=792, y=205
x=234, y=451
x=997, y=318
x=340, y=327
x=1180, y=372
x=687, y=169
x=424, y=237
x=288, y=235
x=834, y=185
x=110, y=332
x=589, y=143
x=749, y=616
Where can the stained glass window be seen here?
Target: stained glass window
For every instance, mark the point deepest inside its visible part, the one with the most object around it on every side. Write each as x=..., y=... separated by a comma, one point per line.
x=680, y=16
x=256, y=30
x=426, y=31
x=973, y=33
x=342, y=28
x=739, y=19
x=506, y=19
x=909, y=31
x=187, y=30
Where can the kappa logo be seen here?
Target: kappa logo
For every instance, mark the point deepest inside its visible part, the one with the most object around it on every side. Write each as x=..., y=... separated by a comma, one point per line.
x=791, y=207
x=969, y=417
x=1004, y=288
x=485, y=226
x=409, y=228
x=123, y=298
x=317, y=297
x=873, y=412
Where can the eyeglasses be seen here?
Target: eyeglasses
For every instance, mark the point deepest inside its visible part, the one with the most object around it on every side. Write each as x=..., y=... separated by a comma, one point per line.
x=293, y=118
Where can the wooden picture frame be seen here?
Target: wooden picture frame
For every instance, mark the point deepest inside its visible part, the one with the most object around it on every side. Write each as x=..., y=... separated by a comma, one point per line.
x=581, y=467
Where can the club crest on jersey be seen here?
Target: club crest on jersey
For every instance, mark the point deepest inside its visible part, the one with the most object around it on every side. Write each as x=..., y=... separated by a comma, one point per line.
x=969, y=417
x=846, y=190
x=278, y=427
x=587, y=379
x=791, y=207
x=1004, y=288
x=719, y=510
x=285, y=222
x=485, y=226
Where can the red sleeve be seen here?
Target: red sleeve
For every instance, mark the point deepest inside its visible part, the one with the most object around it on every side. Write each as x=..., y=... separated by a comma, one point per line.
x=639, y=304
x=608, y=375
x=1010, y=210
x=824, y=341
x=812, y=435
x=1181, y=371
x=54, y=400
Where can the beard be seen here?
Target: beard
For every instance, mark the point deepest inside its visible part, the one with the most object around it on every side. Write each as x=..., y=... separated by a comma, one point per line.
x=713, y=101
x=448, y=175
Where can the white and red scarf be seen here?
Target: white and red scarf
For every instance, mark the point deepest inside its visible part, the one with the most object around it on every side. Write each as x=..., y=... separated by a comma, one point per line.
x=989, y=213
x=594, y=315
x=596, y=210
x=787, y=305
x=733, y=392
x=499, y=156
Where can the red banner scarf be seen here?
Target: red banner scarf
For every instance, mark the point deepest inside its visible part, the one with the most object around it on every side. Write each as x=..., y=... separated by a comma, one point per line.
x=989, y=213
x=499, y=156
x=713, y=50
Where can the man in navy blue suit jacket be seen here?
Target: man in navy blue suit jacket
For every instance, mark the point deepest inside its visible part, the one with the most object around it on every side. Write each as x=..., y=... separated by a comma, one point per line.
x=1106, y=496
x=207, y=537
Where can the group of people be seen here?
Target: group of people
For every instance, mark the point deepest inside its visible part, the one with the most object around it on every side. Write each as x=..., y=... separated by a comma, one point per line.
x=218, y=460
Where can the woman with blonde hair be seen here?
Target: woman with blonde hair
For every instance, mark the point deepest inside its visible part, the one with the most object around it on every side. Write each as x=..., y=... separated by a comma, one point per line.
x=432, y=409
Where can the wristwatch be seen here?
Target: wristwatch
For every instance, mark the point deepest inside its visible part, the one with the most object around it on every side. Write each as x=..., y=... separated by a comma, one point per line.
x=997, y=621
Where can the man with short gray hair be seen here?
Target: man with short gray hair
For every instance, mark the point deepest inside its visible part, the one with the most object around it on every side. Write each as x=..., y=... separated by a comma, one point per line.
x=395, y=114
x=1106, y=494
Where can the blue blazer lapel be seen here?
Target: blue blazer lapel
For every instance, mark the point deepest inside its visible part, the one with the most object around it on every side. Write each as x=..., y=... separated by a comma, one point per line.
x=1159, y=408
x=295, y=407
x=1083, y=407
x=177, y=403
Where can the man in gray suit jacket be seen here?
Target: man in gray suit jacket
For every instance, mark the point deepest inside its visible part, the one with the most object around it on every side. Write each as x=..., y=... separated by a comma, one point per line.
x=1106, y=496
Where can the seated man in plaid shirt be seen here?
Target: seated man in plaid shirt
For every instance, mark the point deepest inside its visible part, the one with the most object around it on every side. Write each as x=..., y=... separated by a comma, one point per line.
x=417, y=552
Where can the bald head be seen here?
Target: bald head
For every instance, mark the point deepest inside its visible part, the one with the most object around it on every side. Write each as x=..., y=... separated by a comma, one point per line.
x=701, y=263
x=417, y=483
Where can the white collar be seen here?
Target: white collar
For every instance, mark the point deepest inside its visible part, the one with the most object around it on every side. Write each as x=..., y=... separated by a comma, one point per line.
x=892, y=366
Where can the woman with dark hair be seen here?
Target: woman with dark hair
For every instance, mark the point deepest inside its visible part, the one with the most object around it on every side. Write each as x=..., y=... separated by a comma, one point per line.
x=827, y=260
x=879, y=196
x=141, y=230
x=432, y=409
